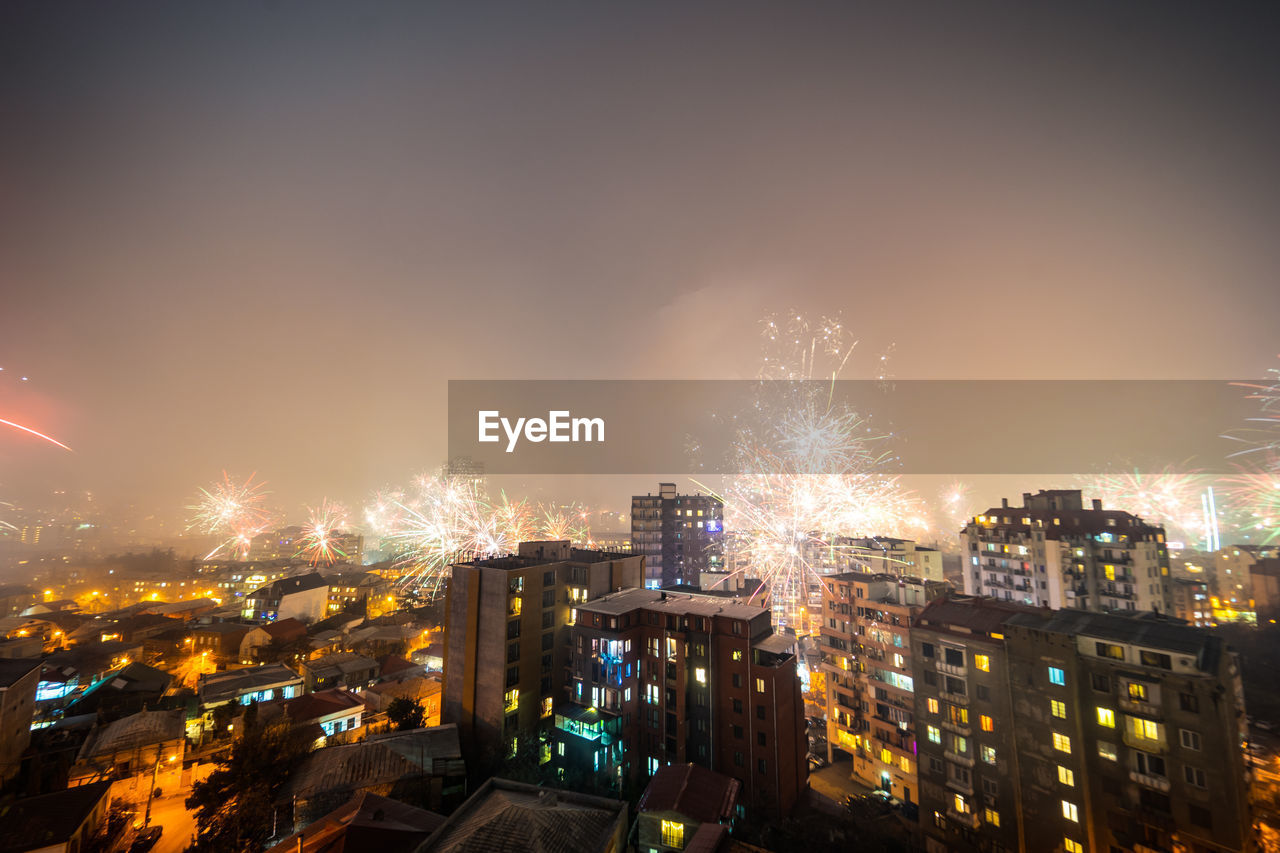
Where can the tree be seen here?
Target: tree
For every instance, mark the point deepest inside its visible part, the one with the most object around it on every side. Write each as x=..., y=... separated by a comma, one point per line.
x=405, y=714
x=235, y=805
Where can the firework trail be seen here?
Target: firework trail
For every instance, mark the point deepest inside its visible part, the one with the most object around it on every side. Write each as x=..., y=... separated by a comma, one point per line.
x=1262, y=436
x=5, y=527
x=1255, y=494
x=233, y=511
x=36, y=433
x=956, y=503
x=319, y=542
x=812, y=474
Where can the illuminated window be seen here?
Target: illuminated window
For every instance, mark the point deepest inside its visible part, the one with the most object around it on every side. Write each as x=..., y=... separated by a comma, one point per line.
x=1058, y=709
x=1137, y=692
x=673, y=834
x=1070, y=845
x=1057, y=676
x=935, y=734
x=932, y=705
x=759, y=685
x=886, y=757
x=1066, y=777
x=905, y=764
x=1106, y=717
x=986, y=723
x=989, y=754
x=1107, y=751
x=960, y=744
x=982, y=662
x=1110, y=572
x=961, y=804
x=991, y=816
x=1062, y=743
x=1070, y=812
x=737, y=654
x=1147, y=729
x=700, y=675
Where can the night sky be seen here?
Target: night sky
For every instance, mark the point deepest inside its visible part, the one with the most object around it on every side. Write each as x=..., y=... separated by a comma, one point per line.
x=262, y=236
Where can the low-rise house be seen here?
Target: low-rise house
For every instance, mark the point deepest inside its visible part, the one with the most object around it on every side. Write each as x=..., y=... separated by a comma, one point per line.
x=303, y=597
x=334, y=711
x=425, y=690
x=65, y=821
x=221, y=640
x=343, y=669
x=261, y=640
x=365, y=822
x=504, y=815
x=686, y=806
x=252, y=684
x=423, y=768
x=15, y=598
x=184, y=611
x=125, y=691
x=364, y=591
x=136, y=753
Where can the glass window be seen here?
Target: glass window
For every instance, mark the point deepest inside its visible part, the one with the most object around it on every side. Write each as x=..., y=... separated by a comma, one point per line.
x=935, y=734
x=986, y=723
x=1070, y=812
x=1070, y=845
x=982, y=662
x=1066, y=776
x=673, y=834
x=1061, y=742
x=1106, y=717
x=1057, y=676
x=1058, y=709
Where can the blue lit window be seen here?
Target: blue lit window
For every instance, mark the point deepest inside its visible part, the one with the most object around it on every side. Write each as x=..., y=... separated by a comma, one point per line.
x=1057, y=676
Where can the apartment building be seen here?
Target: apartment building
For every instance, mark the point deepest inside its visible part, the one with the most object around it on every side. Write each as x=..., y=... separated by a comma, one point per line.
x=1052, y=552
x=865, y=654
x=679, y=536
x=660, y=679
x=506, y=643
x=889, y=556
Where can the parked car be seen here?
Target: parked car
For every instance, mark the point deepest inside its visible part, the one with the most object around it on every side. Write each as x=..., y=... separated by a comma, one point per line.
x=146, y=839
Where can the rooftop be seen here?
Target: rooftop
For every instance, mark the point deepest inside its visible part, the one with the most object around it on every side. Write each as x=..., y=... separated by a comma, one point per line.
x=289, y=586
x=313, y=706
x=692, y=791
x=365, y=822
x=1146, y=629
x=141, y=729
x=978, y=615
x=14, y=669
x=377, y=760
x=512, y=816
x=48, y=820
x=624, y=601
x=227, y=685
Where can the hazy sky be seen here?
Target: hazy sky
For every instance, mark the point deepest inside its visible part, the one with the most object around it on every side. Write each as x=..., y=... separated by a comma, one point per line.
x=262, y=236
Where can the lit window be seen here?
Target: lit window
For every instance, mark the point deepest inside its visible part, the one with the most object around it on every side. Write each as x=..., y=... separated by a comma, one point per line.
x=987, y=723
x=1107, y=751
x=961, y=805
x=1070, y=845
x=1057, y=676
x=989, y=754
x=759, y=685
x=992, y=816
x=1137, y=692
x=983, y=662
x=1070, y=812
x=737, y=654
x=1110, y=572
x=1058, y=709
x=1106, y=717
x=1146, y=729
x=905, y=764
x=1066, y=776
x=935, y=734
x=933, y=705
x=1061, y=742
x=700, y=675
x=673, y=834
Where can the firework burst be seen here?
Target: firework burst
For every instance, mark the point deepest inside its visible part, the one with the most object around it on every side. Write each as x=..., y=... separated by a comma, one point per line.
x=320, y=543
x=812, y=474
x=1167, y=497
x=1262, y=435
x=1255, y=494
x=234, y=511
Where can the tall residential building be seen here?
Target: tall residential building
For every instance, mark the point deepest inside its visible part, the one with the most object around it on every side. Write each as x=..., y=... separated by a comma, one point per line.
x=1231, y=577
x=662, y=678
x=19, y=678
x=1071, y=730
x=1052, y=552
x=1191, y=601
x=679, y=535
x=506, y=639
x=865, y=650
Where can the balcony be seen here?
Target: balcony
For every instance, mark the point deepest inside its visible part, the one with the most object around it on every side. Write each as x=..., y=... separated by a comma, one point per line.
x=951, y=669
x=953, y=698
x=959, y=787
x=968, y=819
x=1158, y=783
x=957, y=728
x=956, y=758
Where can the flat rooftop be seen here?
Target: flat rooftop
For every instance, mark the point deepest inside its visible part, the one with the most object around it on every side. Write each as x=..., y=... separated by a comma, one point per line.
x=691, y=604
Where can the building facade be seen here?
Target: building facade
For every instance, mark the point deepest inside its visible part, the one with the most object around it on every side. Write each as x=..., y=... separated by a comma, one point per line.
x=1052, y=552
x=678, y=535
x=661, y=679
x=507, y=637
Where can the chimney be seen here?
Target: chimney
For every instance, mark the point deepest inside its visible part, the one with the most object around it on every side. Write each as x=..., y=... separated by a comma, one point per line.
x=1004, y=502
x=1097, y=504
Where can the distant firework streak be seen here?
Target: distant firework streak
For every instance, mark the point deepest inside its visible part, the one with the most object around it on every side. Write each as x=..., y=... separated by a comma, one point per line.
x=234, y=511
x=318, y=543
x=36, y=433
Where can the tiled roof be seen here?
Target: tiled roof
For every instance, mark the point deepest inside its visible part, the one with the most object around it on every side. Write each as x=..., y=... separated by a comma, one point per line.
x=141, y=729
x=692, y=791
x=48, y=820
x=365, y=822
x=378, y=760
x=510, y=816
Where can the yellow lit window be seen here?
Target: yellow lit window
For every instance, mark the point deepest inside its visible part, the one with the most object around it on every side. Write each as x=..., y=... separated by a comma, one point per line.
x=700, y=675
x=1058, y=709
x=737, y=654
x=987, y=723
x=1070, y=845
x=1070, y=812
x=905, y=764
x=1137, y=692
x=982, y=662
x=933, y=705
x=1147, y=729
x=1110, y=572
x=1106, y=717
x=1066, y=776
x=759, y=685
x=961, y=806
x=673, y=834
x=886, y=757
x=1062, y=743
x=992, y=817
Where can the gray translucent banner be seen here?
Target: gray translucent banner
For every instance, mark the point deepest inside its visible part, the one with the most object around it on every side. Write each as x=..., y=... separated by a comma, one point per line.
x=908, y=427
